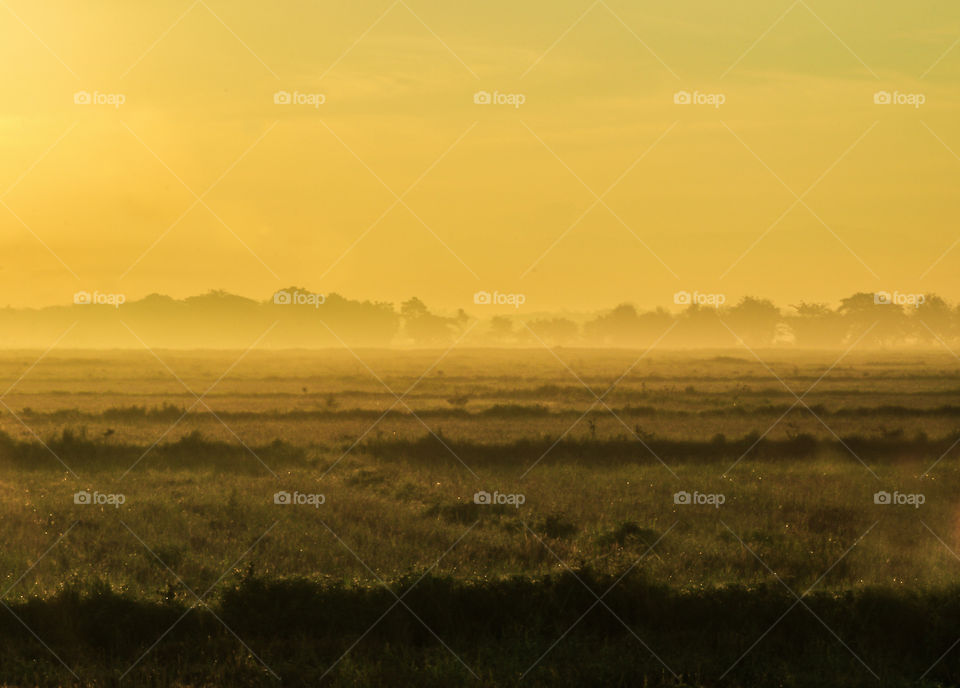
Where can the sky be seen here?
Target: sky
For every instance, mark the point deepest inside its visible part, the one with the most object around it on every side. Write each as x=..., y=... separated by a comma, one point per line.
x=582, y=184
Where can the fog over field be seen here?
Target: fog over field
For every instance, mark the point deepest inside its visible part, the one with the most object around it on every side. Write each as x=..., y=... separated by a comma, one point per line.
x=392, y=343
x=303, y=487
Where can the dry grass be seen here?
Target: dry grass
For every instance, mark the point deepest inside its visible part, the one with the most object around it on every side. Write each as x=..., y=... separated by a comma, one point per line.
x=199, y=505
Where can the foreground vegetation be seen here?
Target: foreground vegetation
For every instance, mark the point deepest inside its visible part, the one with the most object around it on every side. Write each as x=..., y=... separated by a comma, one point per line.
x=518, y=631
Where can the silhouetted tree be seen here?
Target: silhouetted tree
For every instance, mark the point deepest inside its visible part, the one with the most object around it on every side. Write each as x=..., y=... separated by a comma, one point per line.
x=933, y=322
x=427, y=329
x=886, y=322
x=755, y=320
x=623, y=326
x=702, y=326
x=816, y=325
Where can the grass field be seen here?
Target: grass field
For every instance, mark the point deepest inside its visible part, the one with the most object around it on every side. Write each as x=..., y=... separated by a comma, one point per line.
x=789, y=573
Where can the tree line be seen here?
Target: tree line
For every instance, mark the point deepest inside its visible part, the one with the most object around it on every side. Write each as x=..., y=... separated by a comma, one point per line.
x=219, y=319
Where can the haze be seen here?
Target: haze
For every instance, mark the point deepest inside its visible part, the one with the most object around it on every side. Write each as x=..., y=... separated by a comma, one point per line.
x=105, y=197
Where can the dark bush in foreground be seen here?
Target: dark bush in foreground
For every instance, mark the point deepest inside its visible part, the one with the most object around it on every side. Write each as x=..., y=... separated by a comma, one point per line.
x=640, y=634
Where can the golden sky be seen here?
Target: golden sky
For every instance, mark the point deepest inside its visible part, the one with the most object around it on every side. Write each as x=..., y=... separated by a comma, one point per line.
x=199, y=180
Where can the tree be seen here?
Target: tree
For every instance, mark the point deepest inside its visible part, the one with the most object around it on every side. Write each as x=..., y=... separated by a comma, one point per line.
x=427, y=329
x=933, y=322
x=816, y=325
x=861, y=313
x=755, y=320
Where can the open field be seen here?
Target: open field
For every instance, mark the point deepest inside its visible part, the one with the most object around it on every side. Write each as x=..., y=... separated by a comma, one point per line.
x=432, y=344
x=596, y=444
